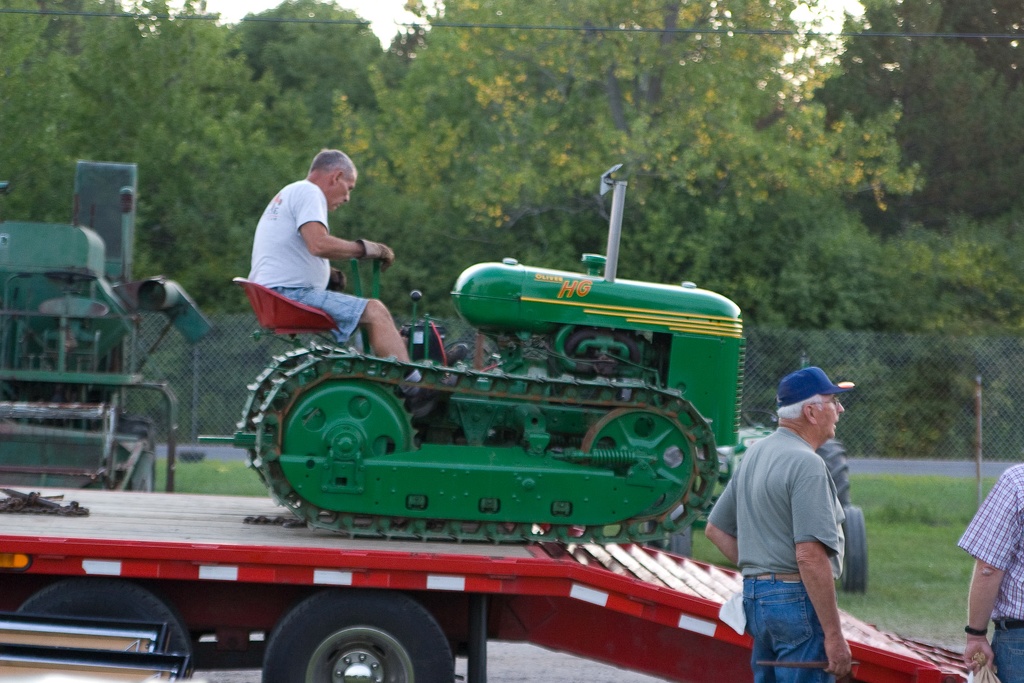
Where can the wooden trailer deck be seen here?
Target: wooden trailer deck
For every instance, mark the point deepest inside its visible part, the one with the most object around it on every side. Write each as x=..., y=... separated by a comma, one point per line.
x=638, y=603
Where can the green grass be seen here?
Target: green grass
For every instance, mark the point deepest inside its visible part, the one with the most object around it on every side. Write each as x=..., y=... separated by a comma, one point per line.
x=917, y=577
x=216, y=477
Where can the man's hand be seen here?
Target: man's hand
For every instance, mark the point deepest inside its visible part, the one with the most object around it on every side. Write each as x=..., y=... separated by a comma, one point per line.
x=978, y=653
x=377, y=250
x=839, y=659
x=336, y=281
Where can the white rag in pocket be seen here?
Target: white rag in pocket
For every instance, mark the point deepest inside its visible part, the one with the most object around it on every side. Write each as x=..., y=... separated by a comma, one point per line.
x=732, y=614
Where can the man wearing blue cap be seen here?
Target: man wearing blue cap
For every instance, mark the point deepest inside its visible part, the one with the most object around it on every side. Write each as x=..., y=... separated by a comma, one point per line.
x=780, y=521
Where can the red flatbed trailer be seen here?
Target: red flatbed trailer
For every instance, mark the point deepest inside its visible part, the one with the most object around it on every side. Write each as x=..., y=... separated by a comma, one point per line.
x=225, y=582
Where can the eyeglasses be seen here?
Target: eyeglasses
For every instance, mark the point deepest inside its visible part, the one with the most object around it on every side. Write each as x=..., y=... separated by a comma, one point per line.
x=831, y=399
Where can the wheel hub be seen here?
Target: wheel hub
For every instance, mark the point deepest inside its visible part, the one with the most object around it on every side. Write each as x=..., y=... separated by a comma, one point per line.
x=357, y=666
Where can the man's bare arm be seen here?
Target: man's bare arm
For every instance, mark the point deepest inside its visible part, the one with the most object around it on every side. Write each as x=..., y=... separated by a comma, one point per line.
x=724, y=542
x=816, y=573
x=980, y=600
x=322, y=244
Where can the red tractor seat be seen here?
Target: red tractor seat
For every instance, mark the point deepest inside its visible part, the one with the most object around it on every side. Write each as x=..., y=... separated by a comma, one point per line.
x=281, y=315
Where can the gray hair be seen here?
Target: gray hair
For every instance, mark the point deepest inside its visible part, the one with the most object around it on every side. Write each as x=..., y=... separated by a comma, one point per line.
x=794, y=410
x=332, y=160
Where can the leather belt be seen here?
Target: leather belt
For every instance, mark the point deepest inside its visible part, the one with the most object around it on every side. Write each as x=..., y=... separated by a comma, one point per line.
x=779, y=577
x=1008, y=624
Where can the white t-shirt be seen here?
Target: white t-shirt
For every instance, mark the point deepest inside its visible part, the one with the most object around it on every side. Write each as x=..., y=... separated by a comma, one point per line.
x=280, y=257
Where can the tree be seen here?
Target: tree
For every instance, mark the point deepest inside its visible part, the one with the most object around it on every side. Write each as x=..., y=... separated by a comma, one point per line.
x=165, y=93
x=960, y=101
x=501, y=134
x=34, y=80
x=314, y=50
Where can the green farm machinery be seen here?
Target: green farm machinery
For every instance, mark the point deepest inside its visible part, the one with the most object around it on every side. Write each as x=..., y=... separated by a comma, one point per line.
x=587, y=409
x=69, y=343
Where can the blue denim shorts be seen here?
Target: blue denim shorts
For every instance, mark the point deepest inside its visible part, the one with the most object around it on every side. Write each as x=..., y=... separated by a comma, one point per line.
x=344, y=308
x=1008, y=647
x=781, y=619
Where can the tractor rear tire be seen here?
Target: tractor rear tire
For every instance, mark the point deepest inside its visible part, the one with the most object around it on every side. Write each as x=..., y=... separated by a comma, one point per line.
x=357, y=634
x=110, y=599
x=834, y=454
x=855, y=561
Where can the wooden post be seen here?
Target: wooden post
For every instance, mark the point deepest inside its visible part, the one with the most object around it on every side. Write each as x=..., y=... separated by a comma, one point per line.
x=977, y=435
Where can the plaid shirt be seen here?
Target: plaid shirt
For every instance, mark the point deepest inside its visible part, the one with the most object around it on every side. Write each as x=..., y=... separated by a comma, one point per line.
x=996, y=536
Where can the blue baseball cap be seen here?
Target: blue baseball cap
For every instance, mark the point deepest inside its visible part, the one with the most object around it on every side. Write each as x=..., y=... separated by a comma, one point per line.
x=802, y=384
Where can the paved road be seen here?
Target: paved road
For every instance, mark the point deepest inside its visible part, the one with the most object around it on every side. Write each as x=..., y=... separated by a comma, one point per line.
x=940, y=468
x=506, y=663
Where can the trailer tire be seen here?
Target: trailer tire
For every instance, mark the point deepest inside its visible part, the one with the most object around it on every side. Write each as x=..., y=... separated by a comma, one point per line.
x=391, y=635
x=110, y=599
x=855, y=560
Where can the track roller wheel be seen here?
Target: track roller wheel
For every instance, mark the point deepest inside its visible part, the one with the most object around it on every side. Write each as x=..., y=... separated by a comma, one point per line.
x=641, y=431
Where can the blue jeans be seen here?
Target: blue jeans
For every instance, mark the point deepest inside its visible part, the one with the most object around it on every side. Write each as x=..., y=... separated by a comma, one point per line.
x=344, y=308
x=785, y=628
x=1008, y=647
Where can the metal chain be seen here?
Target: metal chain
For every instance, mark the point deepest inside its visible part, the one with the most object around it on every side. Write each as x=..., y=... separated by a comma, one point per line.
x=280, y=520
x=37, y=504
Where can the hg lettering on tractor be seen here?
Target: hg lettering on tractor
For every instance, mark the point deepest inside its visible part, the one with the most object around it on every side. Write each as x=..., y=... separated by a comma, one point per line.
x=575, y=287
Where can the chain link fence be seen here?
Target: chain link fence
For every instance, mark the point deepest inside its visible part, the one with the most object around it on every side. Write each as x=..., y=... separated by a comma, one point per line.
x=917, y=396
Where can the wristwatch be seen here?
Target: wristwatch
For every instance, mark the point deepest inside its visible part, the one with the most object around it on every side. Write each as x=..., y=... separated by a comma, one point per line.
x=976, y=631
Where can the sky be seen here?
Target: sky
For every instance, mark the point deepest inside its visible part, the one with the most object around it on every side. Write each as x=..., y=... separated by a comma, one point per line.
x=383, y=14
x=386, y=16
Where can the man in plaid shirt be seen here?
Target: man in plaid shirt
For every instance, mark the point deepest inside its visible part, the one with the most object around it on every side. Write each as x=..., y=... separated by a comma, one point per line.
x=995, y=539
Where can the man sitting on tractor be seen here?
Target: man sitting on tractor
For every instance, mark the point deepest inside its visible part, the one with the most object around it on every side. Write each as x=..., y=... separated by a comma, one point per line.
x=292, y=250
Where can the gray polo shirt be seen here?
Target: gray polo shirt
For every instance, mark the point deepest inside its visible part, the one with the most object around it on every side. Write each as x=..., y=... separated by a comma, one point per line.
x=781, y=494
